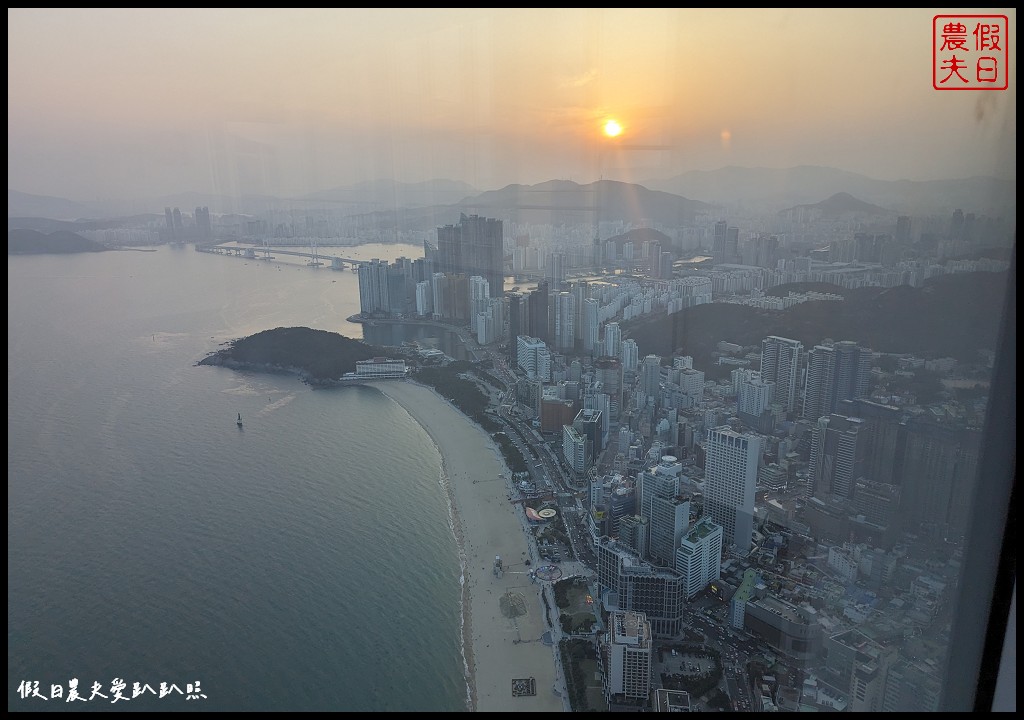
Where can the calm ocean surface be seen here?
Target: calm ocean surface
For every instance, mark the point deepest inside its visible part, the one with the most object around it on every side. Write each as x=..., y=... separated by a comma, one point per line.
x=304, y=562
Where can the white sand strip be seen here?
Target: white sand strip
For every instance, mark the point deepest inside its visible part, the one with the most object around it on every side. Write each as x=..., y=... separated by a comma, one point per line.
x=498, y=648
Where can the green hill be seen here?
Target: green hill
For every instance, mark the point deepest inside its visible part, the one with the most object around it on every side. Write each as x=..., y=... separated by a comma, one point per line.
x=317, y=355
x=31, y=242
x=948, y=316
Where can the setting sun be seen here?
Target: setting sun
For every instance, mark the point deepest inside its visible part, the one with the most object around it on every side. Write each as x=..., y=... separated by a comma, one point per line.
x=612, y=128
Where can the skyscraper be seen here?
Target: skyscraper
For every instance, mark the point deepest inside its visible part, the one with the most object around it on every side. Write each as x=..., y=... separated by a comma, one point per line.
x=666, y=512
x=612, y=339
x=479, y=299
x=657, y=592
x=780, y=364
x=629, y=654
x=424, y=298
x=204, y=230
x=765, y=250
x=699, y=556
x=451, y=297
x=591, y=326
x=835, y=373
x=556, y=268
x=730, y=472
x=718, y=242
x=374, y=287
x=518, y=323
x=884, y=437
x=473, y=247
x=608, y=372
x=565, y=322
x=533, y=358
x=630, y=355
x=538, y=308
x=940, y=473
x=650, y=377
x=580, y=292
x=732, y=245
x=595, y=399
x=754, y=396
x=837, y=456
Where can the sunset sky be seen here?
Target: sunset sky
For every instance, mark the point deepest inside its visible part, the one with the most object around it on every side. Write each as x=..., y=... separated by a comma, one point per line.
x=106, y=103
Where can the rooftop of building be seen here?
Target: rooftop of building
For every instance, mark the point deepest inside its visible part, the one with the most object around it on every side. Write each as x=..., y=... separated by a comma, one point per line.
x=701, y=530
x=783, y=609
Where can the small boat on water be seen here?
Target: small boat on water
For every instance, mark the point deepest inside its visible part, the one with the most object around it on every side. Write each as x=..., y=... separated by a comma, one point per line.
x=239, y=423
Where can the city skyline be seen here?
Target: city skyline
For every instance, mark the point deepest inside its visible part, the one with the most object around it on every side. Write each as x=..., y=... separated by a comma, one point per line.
x=716, y=528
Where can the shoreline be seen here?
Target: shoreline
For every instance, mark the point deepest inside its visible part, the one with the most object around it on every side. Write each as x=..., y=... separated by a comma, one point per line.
x=503, y=627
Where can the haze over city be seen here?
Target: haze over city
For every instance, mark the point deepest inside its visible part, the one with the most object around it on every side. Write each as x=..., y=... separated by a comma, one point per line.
x=511, y=359
x=107, y=103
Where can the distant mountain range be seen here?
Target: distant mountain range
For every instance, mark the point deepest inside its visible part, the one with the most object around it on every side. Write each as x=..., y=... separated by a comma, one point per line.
x=771, y=189
x=46, y=225
x=726, y=192
x=45, y=206
x=565, y=202
x=839, y=206
x=556, y=202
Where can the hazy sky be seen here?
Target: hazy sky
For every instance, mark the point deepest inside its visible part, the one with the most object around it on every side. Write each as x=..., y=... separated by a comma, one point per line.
x=106, y=103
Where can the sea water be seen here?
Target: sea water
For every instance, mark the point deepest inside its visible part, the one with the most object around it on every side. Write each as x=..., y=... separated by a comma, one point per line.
x=304, y=561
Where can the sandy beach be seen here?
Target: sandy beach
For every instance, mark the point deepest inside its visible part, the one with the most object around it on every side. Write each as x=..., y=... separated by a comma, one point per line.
x=505, y=623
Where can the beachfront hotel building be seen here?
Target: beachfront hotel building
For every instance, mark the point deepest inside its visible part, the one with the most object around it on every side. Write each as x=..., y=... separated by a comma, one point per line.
x=628, y=583
x=381, y=368
x=627, y=654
